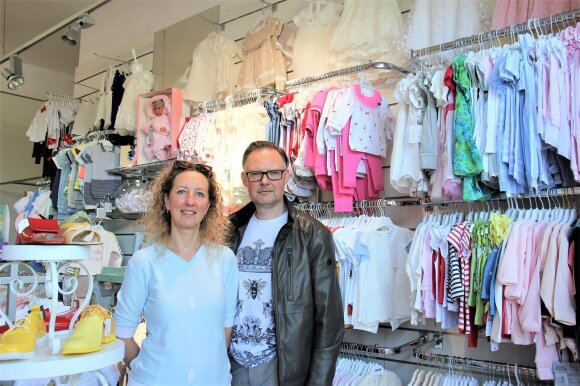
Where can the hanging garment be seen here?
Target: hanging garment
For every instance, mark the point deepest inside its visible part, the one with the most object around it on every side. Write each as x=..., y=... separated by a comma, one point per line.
x=212, y=71
x=509, y=12
x=139, y=82
x=466, y=158
x=264, y=64
x=316, y=25
x=369, y=30
x=438, y=21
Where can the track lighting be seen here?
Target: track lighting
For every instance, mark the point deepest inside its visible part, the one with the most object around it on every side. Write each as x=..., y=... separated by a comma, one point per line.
x=74, y=30
x=13, y=74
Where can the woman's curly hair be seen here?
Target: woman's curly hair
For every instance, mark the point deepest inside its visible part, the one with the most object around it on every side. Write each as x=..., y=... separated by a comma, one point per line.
x=215, y=225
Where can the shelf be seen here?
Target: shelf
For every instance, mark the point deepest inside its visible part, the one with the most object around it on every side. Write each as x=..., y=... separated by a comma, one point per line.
x=111, y=275
x=57, y=257
x=47, y=365
x=116, y=214
x=45, y=252
x=145, y=170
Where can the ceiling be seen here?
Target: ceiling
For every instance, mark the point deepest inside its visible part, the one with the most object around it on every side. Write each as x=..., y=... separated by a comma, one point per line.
x=23, y=20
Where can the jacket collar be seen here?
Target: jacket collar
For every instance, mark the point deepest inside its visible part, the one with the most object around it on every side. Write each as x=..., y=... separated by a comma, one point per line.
x=242, y=216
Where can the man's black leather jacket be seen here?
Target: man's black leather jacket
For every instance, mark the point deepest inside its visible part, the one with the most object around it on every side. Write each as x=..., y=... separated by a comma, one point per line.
x=306, y=297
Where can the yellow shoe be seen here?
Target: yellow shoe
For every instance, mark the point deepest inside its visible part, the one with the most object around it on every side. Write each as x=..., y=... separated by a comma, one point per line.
x=19, y=341
x=94, y=328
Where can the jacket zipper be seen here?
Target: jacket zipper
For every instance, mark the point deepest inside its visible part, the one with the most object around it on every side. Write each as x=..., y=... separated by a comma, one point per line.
x=290, y=292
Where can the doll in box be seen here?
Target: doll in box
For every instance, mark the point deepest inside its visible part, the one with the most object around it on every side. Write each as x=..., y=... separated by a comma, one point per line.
x=158, y=129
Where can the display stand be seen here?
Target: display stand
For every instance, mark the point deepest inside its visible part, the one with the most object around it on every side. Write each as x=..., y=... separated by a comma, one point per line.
x=47, y=361
x=46, y=365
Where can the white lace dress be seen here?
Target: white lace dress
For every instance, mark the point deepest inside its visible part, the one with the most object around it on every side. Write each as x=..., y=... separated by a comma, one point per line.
x=439, y=21
x=369, y=30
x=316, y=24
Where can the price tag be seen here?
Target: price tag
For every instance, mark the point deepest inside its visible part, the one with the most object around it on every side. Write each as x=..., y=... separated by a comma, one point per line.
x=107, y=327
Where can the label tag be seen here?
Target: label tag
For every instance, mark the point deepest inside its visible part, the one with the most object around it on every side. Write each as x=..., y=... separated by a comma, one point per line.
x=107, y=327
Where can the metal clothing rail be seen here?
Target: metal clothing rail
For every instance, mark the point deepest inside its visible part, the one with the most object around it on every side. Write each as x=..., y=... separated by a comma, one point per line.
x=496, y=34
x=22, y=181
x=478, y=364
x=364, y=205
x=233, y=99
x=544, y=193
x=345, y=71
x=376, y=351
x=50, y=96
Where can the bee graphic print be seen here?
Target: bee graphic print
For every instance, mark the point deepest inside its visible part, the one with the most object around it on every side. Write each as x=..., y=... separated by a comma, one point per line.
x=254, y=287
x=254, y=330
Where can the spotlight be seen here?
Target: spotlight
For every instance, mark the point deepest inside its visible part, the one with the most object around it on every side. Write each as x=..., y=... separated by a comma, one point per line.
x=71, y=36
x=13, y=74
x=73, y=33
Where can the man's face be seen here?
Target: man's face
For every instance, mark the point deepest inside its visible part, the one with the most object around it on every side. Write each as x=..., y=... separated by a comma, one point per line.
x=265, y=192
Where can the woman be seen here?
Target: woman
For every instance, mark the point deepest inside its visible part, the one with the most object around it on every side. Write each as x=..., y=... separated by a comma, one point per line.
x=185, y=285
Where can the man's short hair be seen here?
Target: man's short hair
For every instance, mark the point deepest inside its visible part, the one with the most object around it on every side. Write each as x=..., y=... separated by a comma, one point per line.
x=257, y=145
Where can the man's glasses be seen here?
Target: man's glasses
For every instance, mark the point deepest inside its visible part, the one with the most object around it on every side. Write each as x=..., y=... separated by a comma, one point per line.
x=188, y=165
x=273, y=175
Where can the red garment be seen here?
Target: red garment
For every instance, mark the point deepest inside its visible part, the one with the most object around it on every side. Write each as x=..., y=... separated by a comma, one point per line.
x=286, y=99
x=441, y=281
x=473, y=335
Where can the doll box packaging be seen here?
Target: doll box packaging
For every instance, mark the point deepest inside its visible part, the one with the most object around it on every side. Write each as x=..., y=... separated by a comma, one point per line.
x=159, y=114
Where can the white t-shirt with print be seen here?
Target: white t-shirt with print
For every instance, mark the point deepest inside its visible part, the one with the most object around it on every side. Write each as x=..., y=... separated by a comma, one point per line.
x=254, y=330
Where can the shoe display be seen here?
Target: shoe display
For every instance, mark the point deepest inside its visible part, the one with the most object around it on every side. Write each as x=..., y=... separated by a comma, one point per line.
x=62, y=321
x=19, y=341
x=94, y=328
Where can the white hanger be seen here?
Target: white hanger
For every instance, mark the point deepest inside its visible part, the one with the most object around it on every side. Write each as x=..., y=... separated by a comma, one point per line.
x=135, y=66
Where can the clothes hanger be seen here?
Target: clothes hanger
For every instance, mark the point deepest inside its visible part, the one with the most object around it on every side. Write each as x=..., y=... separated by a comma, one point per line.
x=260, y=21
x=135, y=66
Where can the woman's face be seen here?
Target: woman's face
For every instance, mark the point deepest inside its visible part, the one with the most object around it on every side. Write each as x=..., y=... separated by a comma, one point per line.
x=158, y=109
x=188, y=201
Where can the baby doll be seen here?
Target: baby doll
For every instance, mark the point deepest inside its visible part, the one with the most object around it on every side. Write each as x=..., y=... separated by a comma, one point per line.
x=158, y=128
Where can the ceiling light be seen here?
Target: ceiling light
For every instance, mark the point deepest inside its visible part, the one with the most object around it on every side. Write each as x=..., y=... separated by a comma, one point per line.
x=13, y=74
x=72, y=35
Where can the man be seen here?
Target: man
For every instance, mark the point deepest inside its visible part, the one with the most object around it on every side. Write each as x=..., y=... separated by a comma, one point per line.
x=289, y=325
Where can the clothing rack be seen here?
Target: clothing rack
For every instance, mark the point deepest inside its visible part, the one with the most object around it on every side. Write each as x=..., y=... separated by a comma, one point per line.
x=22, y=181
x=114, y=59
x=425, y=337
x=345, y=71
x=121, y=63
x=94, y=134
x=364, y=205
x=546, y=193
x=496, y=34
x=220, y=26
x=52, y=97
x=478, y=364
x=233, y=99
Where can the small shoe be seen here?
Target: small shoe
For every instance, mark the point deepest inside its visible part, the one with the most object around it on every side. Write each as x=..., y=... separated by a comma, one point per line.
x=19, y=341
x=62, y=321
x=94, y=328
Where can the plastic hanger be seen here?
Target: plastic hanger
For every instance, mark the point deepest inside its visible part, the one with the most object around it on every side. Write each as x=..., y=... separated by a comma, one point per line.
x=366, y=88
x=135, y=66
